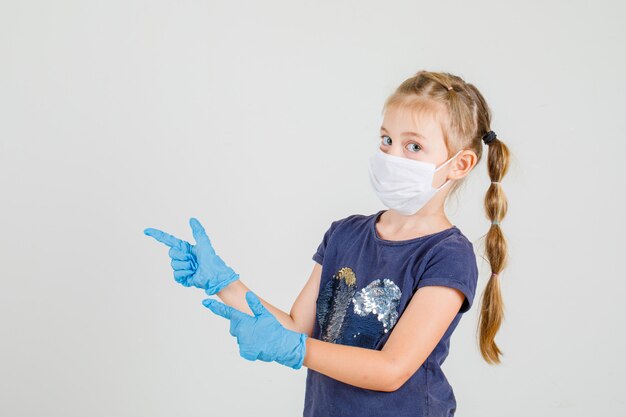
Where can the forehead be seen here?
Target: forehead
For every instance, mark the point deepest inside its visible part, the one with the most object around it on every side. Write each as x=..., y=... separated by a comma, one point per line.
x=423, y=120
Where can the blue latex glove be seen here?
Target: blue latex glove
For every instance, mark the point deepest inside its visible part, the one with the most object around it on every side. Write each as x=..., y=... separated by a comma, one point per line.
x=196, y=265
x=261, y=336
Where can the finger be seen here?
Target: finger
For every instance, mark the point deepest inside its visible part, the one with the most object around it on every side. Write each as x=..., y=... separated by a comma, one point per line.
x=163, y=237
x=181, y=265
x=255, y=304
x=221, y=309
x=182, y=277
x=199, y=234
x=176, y=253
x=248, y=354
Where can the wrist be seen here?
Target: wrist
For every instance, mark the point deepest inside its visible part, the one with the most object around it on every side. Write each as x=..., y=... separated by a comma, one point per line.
x=293, y=357
x=212, y=290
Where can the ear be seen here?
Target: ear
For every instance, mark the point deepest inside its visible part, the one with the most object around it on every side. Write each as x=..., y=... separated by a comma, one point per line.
x=463, y=164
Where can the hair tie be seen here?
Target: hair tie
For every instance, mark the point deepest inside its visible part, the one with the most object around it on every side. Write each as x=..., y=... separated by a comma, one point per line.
x=495, y=222
x=489, y=137
x=495, y=182
x=494, y=274
x=450, y=88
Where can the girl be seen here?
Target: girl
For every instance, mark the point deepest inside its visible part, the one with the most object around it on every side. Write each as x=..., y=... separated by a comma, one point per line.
x=373, y=322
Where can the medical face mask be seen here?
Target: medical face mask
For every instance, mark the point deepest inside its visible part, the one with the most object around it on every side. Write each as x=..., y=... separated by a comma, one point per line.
x=403, y=184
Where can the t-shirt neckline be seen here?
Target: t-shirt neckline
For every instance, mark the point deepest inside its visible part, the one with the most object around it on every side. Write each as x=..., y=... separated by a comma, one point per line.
x=380, y=240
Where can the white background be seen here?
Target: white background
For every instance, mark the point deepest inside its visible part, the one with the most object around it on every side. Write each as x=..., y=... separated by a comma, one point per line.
x=258, y=118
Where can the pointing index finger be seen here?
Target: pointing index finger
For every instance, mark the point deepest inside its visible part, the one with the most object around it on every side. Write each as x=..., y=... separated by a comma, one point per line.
x=163, y=237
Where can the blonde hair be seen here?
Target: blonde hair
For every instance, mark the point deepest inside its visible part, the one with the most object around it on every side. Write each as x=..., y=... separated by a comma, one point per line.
x=465, y=120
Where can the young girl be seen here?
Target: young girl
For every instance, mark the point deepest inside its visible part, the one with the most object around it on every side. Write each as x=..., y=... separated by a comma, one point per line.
x=373, y=322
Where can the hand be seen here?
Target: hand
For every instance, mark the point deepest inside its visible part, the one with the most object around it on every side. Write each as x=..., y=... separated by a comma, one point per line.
x=261, y=336
x=196, y=265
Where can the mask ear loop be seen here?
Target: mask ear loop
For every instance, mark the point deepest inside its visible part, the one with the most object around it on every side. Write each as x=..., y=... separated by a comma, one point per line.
x=442, y=165
x=448, y=161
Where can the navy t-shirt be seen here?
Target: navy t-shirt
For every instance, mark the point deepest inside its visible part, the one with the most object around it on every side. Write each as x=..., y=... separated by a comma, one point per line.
x=366, y=284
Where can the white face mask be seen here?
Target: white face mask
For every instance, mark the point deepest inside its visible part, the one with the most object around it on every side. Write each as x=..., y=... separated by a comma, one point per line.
x=403, y=184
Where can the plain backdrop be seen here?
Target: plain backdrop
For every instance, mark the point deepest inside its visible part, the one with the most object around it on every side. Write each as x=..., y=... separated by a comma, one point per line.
x=258, y=118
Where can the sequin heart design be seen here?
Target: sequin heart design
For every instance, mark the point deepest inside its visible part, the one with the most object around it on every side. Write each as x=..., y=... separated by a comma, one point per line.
x=374, y=310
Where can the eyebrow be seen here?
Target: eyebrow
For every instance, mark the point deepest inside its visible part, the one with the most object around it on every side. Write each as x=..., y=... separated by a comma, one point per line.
x=414, y=134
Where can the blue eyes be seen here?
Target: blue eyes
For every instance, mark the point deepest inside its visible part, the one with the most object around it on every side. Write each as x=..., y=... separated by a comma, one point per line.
x=418, y=147
x=385, y=142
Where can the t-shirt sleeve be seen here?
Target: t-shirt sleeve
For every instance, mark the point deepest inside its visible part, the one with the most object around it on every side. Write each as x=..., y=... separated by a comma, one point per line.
x=318, y=256
x=453, y=264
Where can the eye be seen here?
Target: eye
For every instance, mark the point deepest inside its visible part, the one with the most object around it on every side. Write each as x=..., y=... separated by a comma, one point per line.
x=383, y=138
x=417, y=145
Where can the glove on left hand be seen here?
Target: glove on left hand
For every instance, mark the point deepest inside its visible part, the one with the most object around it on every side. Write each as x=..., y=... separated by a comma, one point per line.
x=261, y=336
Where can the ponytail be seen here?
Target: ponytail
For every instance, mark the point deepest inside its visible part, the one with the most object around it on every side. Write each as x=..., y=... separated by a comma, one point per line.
x=496, y=249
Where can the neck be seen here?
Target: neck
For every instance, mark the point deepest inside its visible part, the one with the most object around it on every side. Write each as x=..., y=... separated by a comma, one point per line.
x=429, y=219
x=423, y=222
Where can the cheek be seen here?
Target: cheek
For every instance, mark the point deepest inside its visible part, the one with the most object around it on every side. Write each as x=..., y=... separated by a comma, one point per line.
x=439, y=178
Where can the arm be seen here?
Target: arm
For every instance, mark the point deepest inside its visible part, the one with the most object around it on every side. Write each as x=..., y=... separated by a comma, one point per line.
x=421, y=326
x=361, y=367
x=302, y=315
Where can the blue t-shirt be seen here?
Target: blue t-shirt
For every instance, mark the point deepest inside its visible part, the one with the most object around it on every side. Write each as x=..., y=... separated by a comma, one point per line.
x=366, y=284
